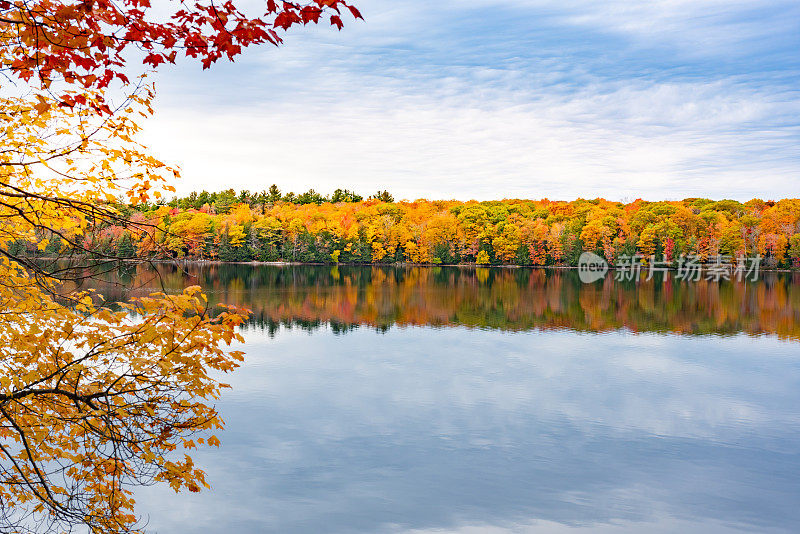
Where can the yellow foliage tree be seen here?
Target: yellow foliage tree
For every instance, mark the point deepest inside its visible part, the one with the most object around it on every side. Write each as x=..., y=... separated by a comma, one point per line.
x=506, y=243
x=92, y=401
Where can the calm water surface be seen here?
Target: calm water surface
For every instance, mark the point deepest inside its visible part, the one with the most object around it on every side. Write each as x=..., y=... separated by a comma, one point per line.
x=456, y=400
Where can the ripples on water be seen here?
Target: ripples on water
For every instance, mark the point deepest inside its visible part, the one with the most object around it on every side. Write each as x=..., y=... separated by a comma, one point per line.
x=456, y=400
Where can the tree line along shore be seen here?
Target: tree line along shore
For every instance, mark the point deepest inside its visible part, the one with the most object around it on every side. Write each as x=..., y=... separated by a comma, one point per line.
x=347, y=228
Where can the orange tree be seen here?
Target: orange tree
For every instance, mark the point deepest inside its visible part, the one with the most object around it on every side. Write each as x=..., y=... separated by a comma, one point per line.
x=95, y=400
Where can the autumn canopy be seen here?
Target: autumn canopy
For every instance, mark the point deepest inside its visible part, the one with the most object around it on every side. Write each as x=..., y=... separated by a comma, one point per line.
x=95, y=400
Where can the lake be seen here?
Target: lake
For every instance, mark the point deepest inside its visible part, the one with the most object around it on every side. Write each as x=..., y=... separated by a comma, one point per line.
x=496, y=400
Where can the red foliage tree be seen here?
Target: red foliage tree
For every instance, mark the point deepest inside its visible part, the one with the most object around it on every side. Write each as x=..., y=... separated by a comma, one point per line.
x=83, y=42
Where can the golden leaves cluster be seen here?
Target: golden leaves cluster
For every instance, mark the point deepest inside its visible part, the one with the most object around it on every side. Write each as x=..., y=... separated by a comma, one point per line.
x=95, y=401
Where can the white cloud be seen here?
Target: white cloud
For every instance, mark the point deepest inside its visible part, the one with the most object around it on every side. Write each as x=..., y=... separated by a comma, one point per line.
x=402, y=103
x=614, y=140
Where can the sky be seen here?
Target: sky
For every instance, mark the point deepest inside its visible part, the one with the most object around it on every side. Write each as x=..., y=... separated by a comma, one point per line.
x=480, y=99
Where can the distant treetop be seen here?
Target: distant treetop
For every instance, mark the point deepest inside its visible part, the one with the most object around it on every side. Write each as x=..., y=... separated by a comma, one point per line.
x=222, y=201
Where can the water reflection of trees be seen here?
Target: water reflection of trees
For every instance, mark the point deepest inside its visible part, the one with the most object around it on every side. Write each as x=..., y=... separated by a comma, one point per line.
x=310, y=297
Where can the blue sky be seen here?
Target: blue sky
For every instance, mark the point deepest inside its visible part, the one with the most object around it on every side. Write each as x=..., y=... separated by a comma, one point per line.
x=503, y=99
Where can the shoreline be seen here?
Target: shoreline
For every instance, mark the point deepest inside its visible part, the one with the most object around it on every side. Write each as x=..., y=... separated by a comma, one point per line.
x=255, y=263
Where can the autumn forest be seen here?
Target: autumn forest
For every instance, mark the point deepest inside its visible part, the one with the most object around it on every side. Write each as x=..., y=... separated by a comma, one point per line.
x=346, y=228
